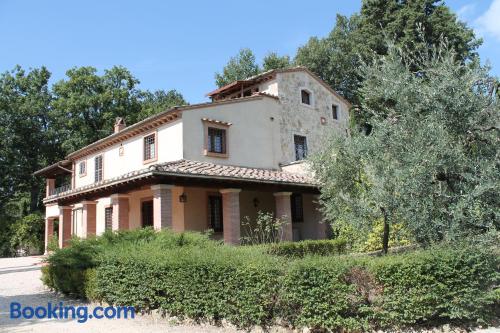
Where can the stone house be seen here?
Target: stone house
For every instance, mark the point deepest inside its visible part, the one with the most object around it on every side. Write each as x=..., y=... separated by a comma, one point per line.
x=204, y=166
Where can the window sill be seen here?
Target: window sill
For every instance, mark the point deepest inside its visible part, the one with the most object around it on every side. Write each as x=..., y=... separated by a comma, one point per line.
x=150, y=160
x=82, y=175
x=212, y=154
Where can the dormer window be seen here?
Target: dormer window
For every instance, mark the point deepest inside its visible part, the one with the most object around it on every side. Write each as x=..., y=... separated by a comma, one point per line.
x=305, y=96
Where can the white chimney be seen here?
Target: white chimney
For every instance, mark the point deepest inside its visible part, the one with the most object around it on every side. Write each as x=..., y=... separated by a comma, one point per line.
x=119, y=124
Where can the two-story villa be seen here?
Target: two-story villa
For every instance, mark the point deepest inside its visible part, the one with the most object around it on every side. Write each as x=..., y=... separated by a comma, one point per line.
x=204, y=166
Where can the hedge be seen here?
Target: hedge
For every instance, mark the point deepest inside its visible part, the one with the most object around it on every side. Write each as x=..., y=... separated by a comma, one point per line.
x=247, y=286
x=308, y=247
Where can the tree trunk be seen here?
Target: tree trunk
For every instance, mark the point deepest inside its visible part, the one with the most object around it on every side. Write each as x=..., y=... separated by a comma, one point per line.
x=385, y=237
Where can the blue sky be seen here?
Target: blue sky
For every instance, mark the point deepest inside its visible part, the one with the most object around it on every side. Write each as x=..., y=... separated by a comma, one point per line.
x=179, y=45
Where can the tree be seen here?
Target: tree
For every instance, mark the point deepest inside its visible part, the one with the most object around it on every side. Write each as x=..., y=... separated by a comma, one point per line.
x=85, y=106
x=26, y=144
x=158, y=101
x=431, y=160
x=416, y=25
x=240, y=67
x=273, y=61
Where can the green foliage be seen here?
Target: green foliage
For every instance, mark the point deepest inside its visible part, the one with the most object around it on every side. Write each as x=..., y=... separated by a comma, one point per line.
x=415, y=25
x=187, y=275
x=265, y=229
x=398, y=237
x=240, y=67
x=444, y=190
x=273, y=61
x=27, y=234
x=325, y=247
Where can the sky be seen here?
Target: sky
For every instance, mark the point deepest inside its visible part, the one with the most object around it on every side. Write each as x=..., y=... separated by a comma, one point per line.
x=181, y=44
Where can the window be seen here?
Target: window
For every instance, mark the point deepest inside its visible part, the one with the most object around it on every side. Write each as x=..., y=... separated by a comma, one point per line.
x=305, y=96
x=150, y=148
x=76, y=221
x=82, y=168
x=108, y=218
x=335, y=111
x=215, y=213
x=297, y=208
x=98, y=168
x=147, y=213
x=216, y=140
x=300, y=147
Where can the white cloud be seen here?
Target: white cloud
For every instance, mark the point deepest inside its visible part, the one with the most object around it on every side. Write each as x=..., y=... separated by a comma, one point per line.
x=489, y=22
x=466, y=11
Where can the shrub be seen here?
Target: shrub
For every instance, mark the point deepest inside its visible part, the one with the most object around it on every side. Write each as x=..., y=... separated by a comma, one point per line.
x=238, y=284
x=300, y=249
x=438, y=285
x=27, y=234
x=265, y=229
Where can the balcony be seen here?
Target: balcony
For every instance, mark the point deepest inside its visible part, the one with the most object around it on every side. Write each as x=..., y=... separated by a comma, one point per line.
x=58, y=190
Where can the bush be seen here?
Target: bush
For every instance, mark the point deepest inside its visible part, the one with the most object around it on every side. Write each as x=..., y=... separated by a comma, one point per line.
x=300, y=249
x=27, y=235
x=238, y=284
x=187, y=275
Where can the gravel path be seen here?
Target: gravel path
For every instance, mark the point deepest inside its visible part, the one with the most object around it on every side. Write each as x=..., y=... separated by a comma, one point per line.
x=20, y=282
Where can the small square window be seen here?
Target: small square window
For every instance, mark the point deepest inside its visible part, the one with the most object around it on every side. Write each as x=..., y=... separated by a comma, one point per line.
x=216, y=140
x=149, y=148
x=335, y=112
x=306, y=97
x=82, y=168
x=300, y=143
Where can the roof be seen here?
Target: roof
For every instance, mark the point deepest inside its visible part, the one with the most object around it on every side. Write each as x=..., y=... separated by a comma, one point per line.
x=198, y=170
x=55, y=169
x=259, y=77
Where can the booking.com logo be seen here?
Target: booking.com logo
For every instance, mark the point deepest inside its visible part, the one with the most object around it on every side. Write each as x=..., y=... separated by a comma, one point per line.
x=61, y=311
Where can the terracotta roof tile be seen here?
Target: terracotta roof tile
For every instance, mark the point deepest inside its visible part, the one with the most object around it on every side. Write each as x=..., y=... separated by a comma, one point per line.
x=201, y=169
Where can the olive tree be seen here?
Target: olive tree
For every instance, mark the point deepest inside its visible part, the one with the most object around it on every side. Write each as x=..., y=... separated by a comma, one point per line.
x=430, y=159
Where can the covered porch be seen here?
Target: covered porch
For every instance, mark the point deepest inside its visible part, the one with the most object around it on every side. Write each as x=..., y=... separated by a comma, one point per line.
x=188, y=199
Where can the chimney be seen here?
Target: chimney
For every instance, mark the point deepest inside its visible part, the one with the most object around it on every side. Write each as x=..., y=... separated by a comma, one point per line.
x=119, y=124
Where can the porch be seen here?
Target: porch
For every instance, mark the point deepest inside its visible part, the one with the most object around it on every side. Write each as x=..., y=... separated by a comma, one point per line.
x=197, y=197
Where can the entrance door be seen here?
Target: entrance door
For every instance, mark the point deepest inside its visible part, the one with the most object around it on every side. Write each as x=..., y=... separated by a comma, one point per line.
x=147, y=213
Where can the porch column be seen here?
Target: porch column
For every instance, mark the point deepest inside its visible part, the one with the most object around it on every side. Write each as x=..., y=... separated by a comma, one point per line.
x=89, y=218
x=231, y=215
x=64, y=226
x=162, y=206
x=50, y=185
x=284, y=212
x=120, y=211
x=49, y=231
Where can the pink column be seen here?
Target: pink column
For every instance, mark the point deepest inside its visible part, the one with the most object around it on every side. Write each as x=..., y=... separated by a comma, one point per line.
x=64, y=226
x=231, y=215
x=51, y=184
x=49, y=231
x=89, y=218
x=120, y=211
x=162, y=206
x=284, y=212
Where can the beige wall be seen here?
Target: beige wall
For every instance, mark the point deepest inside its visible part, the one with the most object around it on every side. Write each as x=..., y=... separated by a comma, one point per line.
x=269, y=87
x=252, y=139
x=169, y=149
x=52, y=210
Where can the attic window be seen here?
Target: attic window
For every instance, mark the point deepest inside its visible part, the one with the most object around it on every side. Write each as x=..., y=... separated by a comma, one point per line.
x=305, y=96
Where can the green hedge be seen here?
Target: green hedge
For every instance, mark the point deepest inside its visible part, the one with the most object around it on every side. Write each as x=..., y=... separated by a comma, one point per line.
x=300, y=249
x=196, y=278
